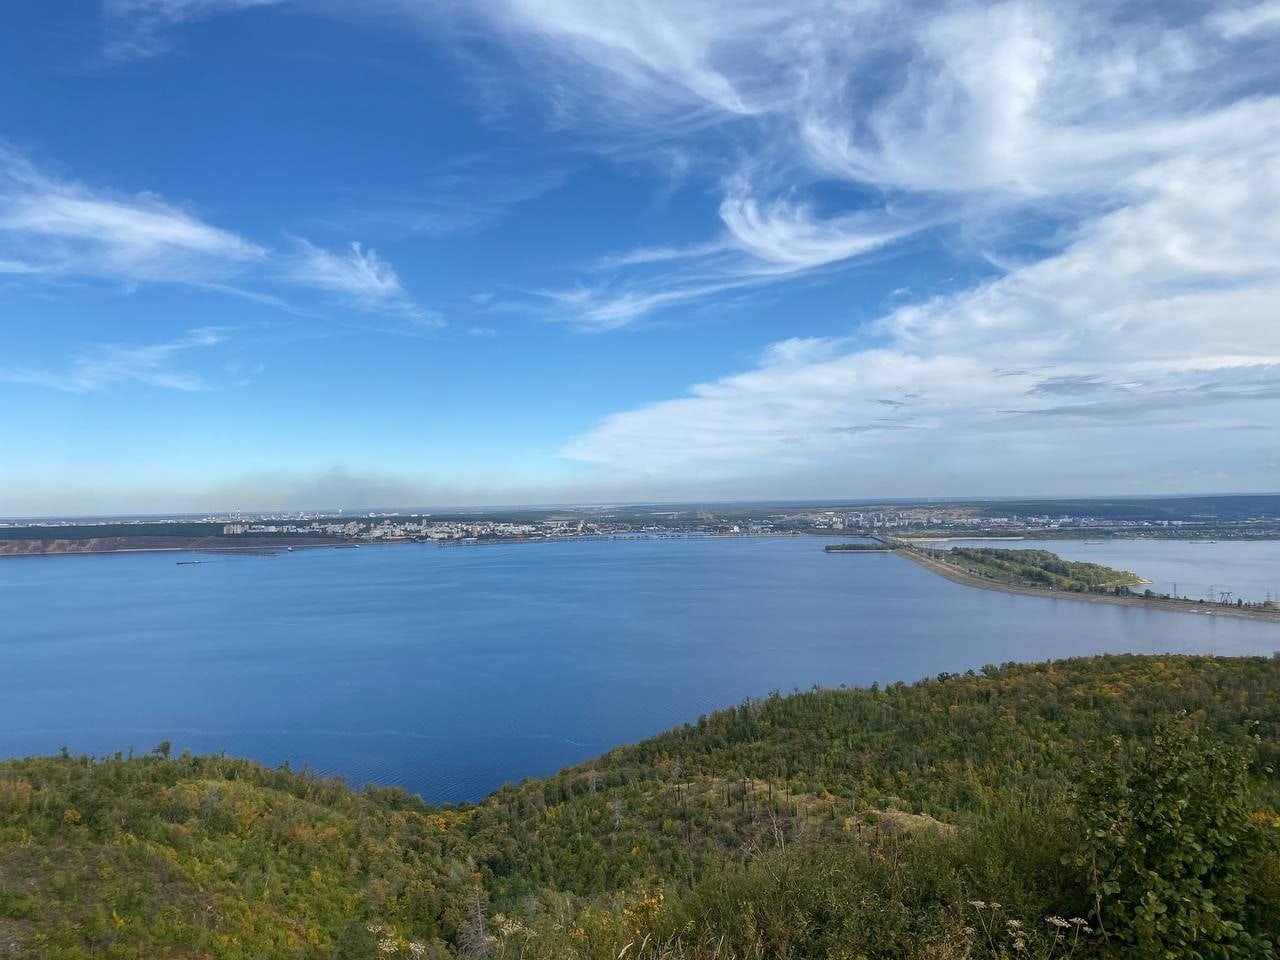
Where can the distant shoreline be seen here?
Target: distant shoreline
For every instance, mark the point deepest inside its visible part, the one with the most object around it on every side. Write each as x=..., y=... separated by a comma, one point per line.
x=118, y=545
x=956, y=575
x=68, y=547
x=98, y=545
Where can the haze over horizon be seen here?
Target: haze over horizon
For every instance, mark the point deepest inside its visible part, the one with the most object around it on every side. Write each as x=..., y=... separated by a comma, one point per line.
x=278, y=254
x=356, y=509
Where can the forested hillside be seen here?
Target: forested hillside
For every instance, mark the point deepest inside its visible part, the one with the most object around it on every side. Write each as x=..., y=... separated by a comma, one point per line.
x=1119, y=806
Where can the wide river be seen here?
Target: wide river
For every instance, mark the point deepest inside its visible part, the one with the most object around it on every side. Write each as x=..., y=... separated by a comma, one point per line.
x=450, y=671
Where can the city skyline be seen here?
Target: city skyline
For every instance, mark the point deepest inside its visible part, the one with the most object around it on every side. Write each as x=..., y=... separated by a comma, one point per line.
x=272, y=253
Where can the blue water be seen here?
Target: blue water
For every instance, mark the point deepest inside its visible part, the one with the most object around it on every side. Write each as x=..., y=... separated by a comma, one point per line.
x=450, y=671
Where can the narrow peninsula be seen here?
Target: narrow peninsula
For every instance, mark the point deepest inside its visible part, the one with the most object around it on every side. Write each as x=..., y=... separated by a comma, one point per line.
x=1040, y=573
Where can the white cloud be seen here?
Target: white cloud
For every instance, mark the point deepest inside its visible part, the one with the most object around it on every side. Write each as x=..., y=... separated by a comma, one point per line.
x=109, y=364
x=783, y=237
x=934, y=113
x=1241, y=21
x=604, y=308
x=139, y=28
x=946, y=113
x=1157, y=318
x=1142, y=143
x=358, y=276
x=652, y=55
x=51, y=228
x=762, y=243
x=57, y=227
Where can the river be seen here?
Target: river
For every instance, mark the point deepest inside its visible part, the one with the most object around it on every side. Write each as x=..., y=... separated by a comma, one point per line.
x=450, y=671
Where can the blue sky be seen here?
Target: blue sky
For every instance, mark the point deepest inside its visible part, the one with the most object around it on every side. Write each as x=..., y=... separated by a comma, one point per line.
x=277, y=253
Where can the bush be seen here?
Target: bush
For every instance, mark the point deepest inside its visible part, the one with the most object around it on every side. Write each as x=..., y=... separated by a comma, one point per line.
x=1170, y=848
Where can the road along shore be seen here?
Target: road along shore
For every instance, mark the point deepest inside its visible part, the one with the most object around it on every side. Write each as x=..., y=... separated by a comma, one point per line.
x=956, y=575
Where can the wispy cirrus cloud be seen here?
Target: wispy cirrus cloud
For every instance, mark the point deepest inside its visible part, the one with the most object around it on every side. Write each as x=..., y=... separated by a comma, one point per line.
x=946, y=115
x=762, y=245
x=1155, y=320
x=935, y=114
x=1245, y=20
x=1142, y=142
x=612, y=306
x=1143, y=145
x=136, y=29
x=52, y=228
x=357, y=275
x=472, y=191
x=111, y=364
x=58, y=227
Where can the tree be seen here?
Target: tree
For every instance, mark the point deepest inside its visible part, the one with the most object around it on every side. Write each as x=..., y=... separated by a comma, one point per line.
x=475, y=940
x=1168, y=847
x=355, y=942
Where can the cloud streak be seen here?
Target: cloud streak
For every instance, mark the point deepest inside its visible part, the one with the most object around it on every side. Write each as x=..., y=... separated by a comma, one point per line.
x=55, y=227
x=136, y=29
x=944, y=115
x=52, y=228
x=357, y=275
x=1118, y=166
x=1155, y=316
x=112, y=364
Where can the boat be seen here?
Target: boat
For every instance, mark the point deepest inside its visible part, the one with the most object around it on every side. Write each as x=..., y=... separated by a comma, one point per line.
x=183, y=563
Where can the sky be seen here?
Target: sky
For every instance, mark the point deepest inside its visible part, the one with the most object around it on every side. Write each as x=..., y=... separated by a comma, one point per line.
x=266, y=254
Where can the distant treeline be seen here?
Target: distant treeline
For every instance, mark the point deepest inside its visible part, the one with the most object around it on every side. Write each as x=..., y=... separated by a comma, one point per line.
x=87, y=531
x=1241, y=507
x=1039, y=568
x=90, y=531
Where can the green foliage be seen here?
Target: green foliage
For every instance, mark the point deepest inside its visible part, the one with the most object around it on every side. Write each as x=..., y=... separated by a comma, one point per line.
x=1171, y=848
x=1040, y=568
x=938, y=819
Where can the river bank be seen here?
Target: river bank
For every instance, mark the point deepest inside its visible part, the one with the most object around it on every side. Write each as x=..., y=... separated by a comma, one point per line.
x=64, y=547
x=956, y=575
x=158, y=544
